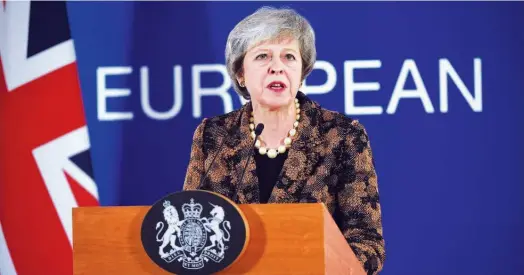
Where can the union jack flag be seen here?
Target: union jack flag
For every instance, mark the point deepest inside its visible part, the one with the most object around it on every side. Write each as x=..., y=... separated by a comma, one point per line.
x=45, y=165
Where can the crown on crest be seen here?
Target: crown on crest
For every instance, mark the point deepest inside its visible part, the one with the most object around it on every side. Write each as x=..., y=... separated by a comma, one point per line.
x=166, y=204
x=192, y=210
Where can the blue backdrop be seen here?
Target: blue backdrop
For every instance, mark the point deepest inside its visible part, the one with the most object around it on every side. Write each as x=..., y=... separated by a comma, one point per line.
x=438, y=86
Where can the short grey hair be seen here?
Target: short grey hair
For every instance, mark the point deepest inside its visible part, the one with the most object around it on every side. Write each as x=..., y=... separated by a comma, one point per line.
x=268, y=23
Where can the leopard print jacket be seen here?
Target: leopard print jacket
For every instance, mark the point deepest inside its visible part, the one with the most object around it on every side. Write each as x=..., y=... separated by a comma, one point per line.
x=329, y=161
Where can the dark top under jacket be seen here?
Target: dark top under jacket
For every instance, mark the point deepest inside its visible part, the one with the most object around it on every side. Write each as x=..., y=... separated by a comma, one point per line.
x=268, y=171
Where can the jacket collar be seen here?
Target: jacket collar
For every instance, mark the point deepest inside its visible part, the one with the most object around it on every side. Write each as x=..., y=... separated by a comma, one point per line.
x=291, y=178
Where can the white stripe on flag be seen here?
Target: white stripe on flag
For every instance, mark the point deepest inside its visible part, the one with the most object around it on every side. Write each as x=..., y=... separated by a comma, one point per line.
x=6, y=264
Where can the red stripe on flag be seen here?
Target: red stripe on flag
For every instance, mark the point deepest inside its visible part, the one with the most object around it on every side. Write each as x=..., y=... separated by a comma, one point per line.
x=30, y=116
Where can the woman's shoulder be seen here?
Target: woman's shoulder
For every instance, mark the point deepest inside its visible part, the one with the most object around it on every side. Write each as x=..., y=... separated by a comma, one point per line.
x=337, y=128
x=332, y=120
x=219, y=124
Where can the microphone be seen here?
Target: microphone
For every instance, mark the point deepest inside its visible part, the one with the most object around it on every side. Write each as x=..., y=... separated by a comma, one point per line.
x=258, y=130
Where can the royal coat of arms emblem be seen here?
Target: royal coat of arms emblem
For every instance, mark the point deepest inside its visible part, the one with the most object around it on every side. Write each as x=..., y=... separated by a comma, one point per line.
x=194, y=232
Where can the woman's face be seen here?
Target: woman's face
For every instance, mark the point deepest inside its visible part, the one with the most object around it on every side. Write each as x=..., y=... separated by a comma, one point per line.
x=273, y=72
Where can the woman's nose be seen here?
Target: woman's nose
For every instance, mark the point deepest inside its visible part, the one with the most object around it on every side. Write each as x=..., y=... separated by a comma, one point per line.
x=276, y=71
x=276, y=68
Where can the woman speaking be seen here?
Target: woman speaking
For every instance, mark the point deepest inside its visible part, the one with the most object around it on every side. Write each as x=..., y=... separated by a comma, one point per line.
x=282, y=147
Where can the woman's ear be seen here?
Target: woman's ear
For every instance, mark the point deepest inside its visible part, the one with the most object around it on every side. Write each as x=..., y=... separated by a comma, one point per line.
x=241, y=80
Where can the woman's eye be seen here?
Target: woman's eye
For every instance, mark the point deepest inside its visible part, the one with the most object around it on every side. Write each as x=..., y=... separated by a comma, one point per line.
x=290, y=56
x=261, y=56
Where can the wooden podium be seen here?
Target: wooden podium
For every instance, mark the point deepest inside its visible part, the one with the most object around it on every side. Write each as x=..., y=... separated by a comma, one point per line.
x=283, y=239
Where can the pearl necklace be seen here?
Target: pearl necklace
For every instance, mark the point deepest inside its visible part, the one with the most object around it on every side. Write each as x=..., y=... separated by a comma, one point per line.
x=272, y=153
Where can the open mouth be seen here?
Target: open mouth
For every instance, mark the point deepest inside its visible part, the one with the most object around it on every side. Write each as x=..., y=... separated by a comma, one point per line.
x=276, y=86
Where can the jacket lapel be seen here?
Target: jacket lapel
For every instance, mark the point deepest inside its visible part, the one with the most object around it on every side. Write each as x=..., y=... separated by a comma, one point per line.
x=241, y=150
x=299, y=163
